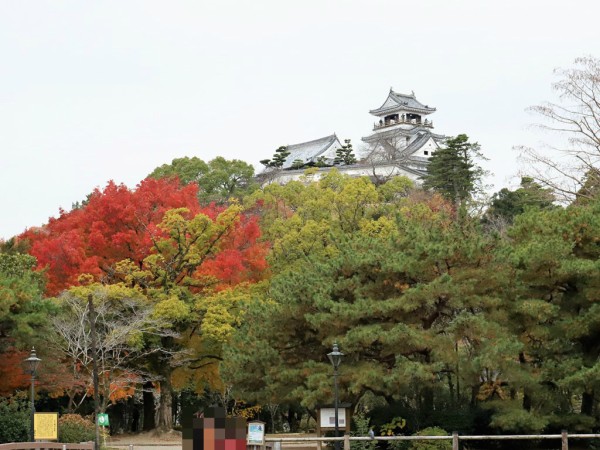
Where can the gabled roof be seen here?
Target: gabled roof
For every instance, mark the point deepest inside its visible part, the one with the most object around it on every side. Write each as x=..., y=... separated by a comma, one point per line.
x=310, y=151
x=401, y=102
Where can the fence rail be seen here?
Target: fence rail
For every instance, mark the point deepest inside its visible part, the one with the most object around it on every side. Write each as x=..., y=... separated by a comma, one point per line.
x=270, y=441
x=46, y=445
x=455, y=438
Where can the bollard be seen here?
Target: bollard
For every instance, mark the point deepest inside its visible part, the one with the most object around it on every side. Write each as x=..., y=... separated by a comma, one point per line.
x=64, y=447
x=346, y=442
x=565, y=440
x=130, y=446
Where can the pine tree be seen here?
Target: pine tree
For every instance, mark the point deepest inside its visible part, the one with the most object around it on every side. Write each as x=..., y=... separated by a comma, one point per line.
x=345, y=155
x=452, y=170
x=278, y=158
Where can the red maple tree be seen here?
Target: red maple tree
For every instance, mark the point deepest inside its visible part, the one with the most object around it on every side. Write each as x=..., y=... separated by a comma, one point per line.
x=119, y=223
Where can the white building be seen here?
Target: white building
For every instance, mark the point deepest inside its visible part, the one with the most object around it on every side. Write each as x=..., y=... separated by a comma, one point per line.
x=401, y=144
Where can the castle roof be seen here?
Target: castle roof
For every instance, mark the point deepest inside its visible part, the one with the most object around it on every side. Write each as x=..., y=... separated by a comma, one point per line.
x=397, y=102
x=309, y=152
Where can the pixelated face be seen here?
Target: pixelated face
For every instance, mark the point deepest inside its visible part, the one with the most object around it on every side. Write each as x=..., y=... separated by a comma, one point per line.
x=215, y=431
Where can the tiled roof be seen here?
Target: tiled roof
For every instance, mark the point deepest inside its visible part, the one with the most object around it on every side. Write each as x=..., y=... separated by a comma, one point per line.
x=308, y=152
x=397, y=101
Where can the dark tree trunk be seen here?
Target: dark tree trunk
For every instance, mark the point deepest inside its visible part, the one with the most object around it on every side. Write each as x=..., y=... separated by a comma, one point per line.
x=165, y=410
x=149, y=409
x=587, y=403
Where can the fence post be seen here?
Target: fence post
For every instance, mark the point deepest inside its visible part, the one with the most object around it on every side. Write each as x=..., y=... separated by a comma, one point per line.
x=565, y=440
x=455, y=440
x=64, y=446
x=346, y=442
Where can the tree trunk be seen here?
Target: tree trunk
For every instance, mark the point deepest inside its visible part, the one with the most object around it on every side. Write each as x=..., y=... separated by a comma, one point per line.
x=165, y=405
x=587, y=403
x=149, y=409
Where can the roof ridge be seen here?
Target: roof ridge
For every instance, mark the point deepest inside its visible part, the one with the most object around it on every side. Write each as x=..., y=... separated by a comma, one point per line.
x=329, y=137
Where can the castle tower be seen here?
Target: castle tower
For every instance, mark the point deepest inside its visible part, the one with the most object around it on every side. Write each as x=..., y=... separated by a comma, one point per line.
x=403, y=133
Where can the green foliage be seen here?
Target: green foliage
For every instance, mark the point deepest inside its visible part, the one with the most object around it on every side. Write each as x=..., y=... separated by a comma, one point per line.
x=72, y=428
x=22, y=309
x=508, y=204
x=219, y=180
x=452, y=170
x=297, y=164
x=393, y=427
x=187, y=169
x=14, y=420
x=361, y=428
x=345, y=155
x=278, y=159
x=441, y=444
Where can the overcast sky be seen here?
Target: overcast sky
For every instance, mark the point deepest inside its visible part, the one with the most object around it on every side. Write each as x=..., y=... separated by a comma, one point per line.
x=97, y=90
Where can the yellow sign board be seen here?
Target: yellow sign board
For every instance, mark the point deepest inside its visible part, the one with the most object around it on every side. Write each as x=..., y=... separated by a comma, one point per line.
x=45, y=426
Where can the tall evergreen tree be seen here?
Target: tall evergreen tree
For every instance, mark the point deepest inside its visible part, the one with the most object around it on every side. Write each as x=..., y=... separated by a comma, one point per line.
x=452, y=170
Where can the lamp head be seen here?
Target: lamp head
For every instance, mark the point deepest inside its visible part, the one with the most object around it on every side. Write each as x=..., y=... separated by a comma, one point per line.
x=335, y=356
x=32, y=362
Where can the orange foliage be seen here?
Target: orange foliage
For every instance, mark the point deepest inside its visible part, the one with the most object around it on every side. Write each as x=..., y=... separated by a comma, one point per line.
x=116, y=223
x=12, y=375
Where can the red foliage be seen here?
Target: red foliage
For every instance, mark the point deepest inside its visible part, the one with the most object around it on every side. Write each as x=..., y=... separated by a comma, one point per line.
x=12, y=375
x=118, y=223
x=242, y=258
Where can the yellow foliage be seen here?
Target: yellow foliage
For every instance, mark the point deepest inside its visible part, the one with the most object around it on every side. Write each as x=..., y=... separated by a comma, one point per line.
x=172, y=309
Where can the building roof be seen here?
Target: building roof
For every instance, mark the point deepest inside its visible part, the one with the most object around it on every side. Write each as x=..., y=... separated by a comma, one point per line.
x=310, y=151
x=392, y=133
x=401, y=102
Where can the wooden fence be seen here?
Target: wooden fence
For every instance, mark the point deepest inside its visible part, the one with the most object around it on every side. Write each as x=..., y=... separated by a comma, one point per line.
x=46, y=445
x=456, y=439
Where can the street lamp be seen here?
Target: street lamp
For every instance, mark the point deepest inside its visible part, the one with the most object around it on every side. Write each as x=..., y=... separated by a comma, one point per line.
x=31, y=368
x=336, y=358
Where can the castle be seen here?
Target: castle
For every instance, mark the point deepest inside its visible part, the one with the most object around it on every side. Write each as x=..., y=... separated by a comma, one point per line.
x=401, y=142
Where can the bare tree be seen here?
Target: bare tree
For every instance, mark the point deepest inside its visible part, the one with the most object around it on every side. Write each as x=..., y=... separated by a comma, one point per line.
x=385, y=155
x=123, y=324
x=576, y=119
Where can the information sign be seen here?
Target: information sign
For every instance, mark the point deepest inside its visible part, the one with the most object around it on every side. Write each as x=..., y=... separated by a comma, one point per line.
x=45, y=426
x=103, y=420
x=256, y=433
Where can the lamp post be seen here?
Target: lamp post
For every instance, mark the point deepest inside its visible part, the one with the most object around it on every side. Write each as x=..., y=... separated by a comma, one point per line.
x=32, y=364
x=336, y=358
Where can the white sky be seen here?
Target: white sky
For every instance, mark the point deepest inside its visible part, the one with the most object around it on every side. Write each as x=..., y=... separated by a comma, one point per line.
x=97, y=90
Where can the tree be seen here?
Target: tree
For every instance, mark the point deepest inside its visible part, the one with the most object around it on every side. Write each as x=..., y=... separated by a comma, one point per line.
x=126, y=328
x=576, y=118
x=453, y=172
x=193, y=258
x=278, y=159
x=507, y=204
x=394, y=279
x=590, y=187
x=553, y=256
x=218, y=181
x=226, y=179
x=188, y=170
x=117, y=223
x=22, y=309
x=345, y=155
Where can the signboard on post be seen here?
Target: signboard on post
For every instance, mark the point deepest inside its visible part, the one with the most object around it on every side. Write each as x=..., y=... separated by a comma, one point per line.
x=327, y=418
x=256, y=433
x=45, y=426
x=103, y=420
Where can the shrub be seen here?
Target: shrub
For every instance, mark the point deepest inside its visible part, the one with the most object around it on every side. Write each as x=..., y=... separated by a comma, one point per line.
x=362, y=426
x=14, y=420
x=445, y=444
x=72, y=428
